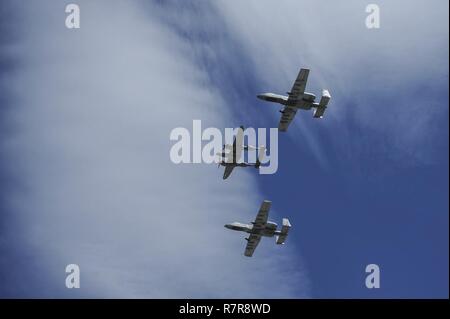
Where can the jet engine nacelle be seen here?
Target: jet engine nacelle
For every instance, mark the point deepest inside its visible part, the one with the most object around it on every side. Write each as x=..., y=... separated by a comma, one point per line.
x=271, y=225
x=308, y=97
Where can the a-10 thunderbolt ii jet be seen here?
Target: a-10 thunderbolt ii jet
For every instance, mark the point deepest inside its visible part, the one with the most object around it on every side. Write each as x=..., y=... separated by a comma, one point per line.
x=296, y=99
x=261, y=227
x=231, y=154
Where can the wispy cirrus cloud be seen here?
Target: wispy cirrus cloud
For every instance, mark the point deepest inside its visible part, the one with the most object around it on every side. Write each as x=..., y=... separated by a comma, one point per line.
x=90, y=114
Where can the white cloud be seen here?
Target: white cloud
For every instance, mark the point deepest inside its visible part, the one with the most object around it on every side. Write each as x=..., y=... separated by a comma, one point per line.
x=92, y=111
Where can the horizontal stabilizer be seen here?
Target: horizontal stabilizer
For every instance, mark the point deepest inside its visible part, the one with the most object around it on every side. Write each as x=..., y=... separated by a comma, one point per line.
x=320, y=109
x=325, y=98
x=252, y=147
x=318, y=112
x=284, y=231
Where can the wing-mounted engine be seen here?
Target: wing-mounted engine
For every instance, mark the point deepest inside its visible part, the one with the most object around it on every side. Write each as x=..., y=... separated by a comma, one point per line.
x=320, y=108
x=281, y=238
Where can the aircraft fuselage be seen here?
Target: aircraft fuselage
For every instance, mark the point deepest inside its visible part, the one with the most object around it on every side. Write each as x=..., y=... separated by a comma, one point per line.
x=269, y=231
x=304, y=101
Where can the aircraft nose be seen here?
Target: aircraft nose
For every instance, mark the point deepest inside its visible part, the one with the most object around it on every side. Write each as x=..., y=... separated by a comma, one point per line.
x=261, y=96
x=228, y=226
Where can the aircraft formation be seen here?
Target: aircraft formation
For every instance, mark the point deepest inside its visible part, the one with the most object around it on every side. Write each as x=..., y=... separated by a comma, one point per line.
x=296, y=99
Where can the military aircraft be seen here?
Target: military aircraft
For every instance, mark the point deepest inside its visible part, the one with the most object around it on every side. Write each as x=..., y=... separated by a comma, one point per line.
x=230, y=160
x=261, y=227
x=296, y=99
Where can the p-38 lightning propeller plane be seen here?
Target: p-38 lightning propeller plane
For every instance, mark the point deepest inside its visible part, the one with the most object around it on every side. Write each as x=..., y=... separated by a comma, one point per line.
x=261, y=227
x=297, y=99
x=230, y=159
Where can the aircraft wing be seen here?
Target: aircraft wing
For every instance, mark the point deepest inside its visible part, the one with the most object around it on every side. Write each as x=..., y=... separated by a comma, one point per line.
x=252, y=243
x=263, y=214
x=287, y=116
x=300, y=84
x=228, y=170
x=237, y=146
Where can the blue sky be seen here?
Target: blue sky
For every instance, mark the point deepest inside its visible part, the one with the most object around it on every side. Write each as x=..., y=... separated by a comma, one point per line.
x=367, y=184
x=367, y=200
